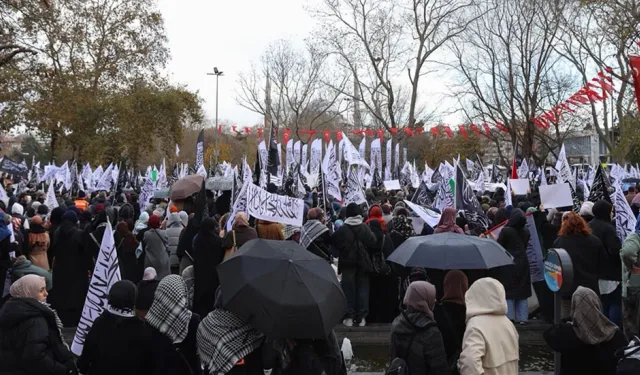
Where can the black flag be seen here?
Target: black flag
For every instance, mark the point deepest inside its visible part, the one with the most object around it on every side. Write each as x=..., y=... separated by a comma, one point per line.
x=600, y=186
x=201, y=208
x=421, y=196
x=466, y=200
x=436, y=177
x=376, y=181
x=495, y=172
x=200, y=150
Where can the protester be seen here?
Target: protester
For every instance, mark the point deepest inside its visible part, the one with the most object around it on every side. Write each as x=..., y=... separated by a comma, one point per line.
x=490, y=342
x=586, y=252
x=269, y=230
x=415, y=336
x=146, y=290
x=240, y=234
x=315, y=235
x=103, y=352
x=188, y=276
x=38, y=244
x=155, y=248
x=586, y=211
x=631, y=193
x=353, y=240
x=174, y=229
x=400, y=230
x=173, y=333
x=589, y=341
x=514, y=237
x=95, y=233
x=416, y=274
x=447, y=222
x=5, y=248
x=375, y=213
x=31, y=332
x=130, y=268
x=22, y=266
x=383, y=301
x=450, y=313
x=629, y=253
x=207, y=255
x=72, y=266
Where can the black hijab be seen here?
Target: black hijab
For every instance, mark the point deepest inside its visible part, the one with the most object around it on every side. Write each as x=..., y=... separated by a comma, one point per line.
x=207, y=255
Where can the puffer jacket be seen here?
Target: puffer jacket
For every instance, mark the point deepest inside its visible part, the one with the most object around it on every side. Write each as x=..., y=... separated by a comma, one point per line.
x=490, y=343
x=174, y=229
x=30, y=342
x=352, y=237
x=602, y=227
x=426, y=354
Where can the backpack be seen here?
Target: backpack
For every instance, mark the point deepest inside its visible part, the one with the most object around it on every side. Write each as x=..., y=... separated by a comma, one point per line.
x=629, y=358
x=398, y=365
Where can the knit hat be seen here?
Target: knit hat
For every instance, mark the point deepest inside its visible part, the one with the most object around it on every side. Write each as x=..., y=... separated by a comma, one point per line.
x=353, y=210
x=81, y=194
x=70, y=216
x=586, y=209
x=43, y=210
x=122, y=298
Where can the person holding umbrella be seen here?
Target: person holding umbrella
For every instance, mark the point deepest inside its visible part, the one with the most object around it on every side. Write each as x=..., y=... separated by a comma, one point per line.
x=353, y=240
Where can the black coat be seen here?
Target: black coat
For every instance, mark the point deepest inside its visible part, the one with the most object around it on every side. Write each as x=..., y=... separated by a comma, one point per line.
x=70, y=273
x=451, y=319
x=586, y=253
x=601, y=227
x=311, y=357
x=116, y=345
x=170, y=359
x=514, y=237
x=350, y=240
x=321, y=246
x=427, y=349
x=579, y=358
x=30, y=342
x=383, y=289
x=207, y=255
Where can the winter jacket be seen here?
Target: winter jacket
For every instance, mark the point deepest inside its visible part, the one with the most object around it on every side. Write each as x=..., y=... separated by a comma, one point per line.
x=426, y=354
x=174, y=229
x=629, y=254
x=243, y=235
x=490, y=343
x=30, y=341
x=26, y=268
x=156, y=254
x=175, y=359
x=579, y=358
x=514, y=237
x=351, y=239
x=586, y=254
x=451, y=319
x=601, y=227
x=309, y=357
x=104, y=353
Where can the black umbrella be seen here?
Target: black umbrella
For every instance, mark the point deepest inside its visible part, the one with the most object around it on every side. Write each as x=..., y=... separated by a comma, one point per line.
x=450, y=251
x=282, y=290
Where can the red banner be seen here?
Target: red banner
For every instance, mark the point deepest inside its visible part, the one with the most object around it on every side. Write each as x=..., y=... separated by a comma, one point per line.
x=247, y=130
x=419, y=130
x=486, y=129
x=327, y=135
x=475, y=129
x=219, y=128
x=286, y=135
x=447, y=130
x=394, y=131
x=434, y=131
x=369, y=132
x=408, y=132
x=634, y=61
x=260, y=133
x=381, y=135
x=339, y=135
x=463, y=131
x=233, y=127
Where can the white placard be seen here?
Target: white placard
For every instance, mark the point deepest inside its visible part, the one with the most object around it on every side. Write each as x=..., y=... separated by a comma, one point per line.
x=105, y=274
x=430, y=217
x=272, y=207
x=556, y=195
x=519, y=186
x=392, y=185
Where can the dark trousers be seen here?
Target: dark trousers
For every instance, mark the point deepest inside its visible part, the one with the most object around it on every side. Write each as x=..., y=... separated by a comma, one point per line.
x=355, y=285
x=612, y=306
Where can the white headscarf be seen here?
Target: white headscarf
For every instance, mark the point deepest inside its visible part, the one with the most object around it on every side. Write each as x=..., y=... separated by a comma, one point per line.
x=17, y=209
x=149, y=273
x=28, y=286
x=142, y=223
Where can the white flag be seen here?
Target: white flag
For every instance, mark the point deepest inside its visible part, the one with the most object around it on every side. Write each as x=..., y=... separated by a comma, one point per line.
x=375, y=159
x=304, y=158
x=51, y=200
x=104, y=183
x=146, y=192
x=352, y=155
x=290, y=156
x=387, y=169
x=105, y=274
x=240, y=202
x=564, y=169
x=202, y=171
x=3, y=196
x=177, y=150
x=353, y=193
x=332, y=171
x=162, y=176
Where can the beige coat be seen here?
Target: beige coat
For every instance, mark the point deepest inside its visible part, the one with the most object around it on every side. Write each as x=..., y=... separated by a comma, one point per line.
x=490, y=344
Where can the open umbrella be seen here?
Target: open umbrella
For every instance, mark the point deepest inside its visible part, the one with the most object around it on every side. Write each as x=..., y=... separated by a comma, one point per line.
x=282, y=290
x=185, y=187
x=450, y=251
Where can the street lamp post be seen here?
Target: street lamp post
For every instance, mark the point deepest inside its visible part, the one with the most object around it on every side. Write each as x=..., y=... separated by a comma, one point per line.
x=217, y=73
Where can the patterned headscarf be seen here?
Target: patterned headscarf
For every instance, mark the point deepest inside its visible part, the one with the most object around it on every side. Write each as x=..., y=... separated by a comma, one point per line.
x=168, y=313
x=403, y=226
x=589, y=324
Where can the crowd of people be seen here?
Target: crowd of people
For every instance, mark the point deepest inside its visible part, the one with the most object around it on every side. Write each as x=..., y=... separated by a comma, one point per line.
x=162, y=316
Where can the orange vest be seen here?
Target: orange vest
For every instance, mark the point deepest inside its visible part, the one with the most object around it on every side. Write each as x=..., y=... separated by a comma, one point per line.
x=81, y=204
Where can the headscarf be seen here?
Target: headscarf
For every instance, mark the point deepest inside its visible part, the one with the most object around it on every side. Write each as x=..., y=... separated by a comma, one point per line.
x=188, y=275
x=154, y=222
x=4, y=230
x=589, y=324
x=184, y=218
x=141, y=224
x=417, y=274
x=402, y=226
x=240, y=220
x=17, y=209
x=28, y=286
x=122, y=299
x=269, y=230
x=375, y=213
x=149, y=274
x=169, y=313
x=455, y=286
x=128, y=239
x=421, y=296
x=311, y=230
x=447, y=222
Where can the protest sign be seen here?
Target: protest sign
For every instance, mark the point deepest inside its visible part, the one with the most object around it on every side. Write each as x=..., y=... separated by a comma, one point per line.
x=519, y=186
x=556, y=195
x=392, y=185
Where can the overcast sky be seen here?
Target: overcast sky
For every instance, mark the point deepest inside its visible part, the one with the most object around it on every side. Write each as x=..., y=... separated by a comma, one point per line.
x=230, y=35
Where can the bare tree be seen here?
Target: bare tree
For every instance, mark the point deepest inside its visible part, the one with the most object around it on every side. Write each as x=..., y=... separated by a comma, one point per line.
x=301, y=96
x=510, y=73
x=379, y=40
